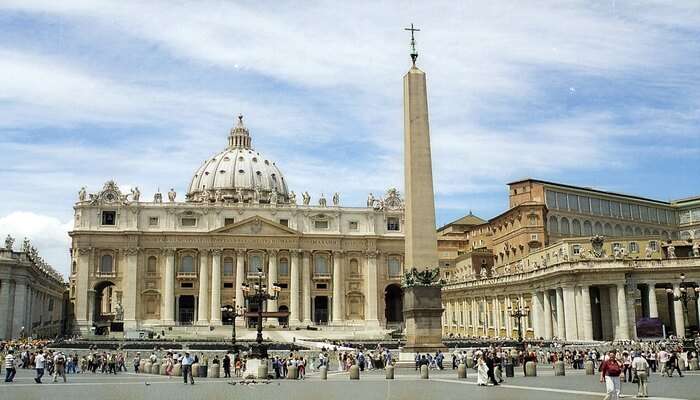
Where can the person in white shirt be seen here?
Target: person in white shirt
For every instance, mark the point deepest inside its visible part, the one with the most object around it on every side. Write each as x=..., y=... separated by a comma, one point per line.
x=10, y=369
x=39, y=363
x=640, y=367
x=59, y=362
x=187, y=362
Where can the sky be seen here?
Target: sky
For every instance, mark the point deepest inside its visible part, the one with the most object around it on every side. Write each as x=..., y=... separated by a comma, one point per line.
x=604, y=94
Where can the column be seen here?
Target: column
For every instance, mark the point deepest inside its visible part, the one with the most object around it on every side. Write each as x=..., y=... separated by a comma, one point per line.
x=131, y=278
x=167, y=313
x=570, y=325
x=678, y=315
x=624, y=331
x=271, y=281
x=203, y=305
x=240, y=278
x=561, y=326
x=5, y=320
x=494, y=311
x=83, y=321
x=18, y=310
x=536, y=311
x=306, y=284
x=526, y=321
x=371, y=287
x=547, y=315
x=294, y=289
x=509, y=320
x=651, y=296
x=475, y=318
x=586, y=317
x=338, y=296
x=215, y=312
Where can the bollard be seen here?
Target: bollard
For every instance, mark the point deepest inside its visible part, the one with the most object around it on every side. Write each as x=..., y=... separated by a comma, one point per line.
x=214, y=371
x=324, y=372
x=424, y=372
x=142, y=365
x=389, y=372
x=470, y=360
x=694, y=365
x=461, y=371
x=354, y=372
x=155, y=368
x=262, y=370
x=590, y=368
x=203, y=368
x=530, y=368
x=559, y=368
x=177, y=369
x=162, y=368
x=195, y=370
x=147, y=367
x=510, y=369
x=292, y=372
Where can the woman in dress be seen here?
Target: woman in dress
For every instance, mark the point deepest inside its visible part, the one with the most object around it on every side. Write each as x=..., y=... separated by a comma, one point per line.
x=482, y=372
x=169, y=364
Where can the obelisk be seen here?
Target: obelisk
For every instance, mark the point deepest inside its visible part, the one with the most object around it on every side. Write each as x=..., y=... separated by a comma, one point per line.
x=422, y=297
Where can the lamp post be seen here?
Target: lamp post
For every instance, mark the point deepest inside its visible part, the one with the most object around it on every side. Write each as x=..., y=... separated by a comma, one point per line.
x=257, y=294
x=233, y=312
x=685, y=296
x=519, y=313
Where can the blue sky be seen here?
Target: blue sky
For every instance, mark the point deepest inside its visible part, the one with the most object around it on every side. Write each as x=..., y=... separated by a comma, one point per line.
x=603, y=94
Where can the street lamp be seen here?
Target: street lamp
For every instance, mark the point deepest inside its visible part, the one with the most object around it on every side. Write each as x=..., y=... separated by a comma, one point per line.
x=233, y=312
x=685, y=297
x=519, y=313
x=257, y=294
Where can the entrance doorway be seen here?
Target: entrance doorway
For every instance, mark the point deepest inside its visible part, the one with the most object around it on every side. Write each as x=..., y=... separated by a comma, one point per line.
x=283, y=321
x=185, y=310
x=321, y=310
x=393, y=310
x=105, y=308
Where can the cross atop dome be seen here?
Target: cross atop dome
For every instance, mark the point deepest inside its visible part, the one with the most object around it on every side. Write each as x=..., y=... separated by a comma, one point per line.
x=239, y=135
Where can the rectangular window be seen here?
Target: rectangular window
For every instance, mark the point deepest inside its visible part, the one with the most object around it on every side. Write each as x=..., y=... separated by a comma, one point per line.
x=109, y=217
x=229, y=221
x=533, y=237
x=153, y=221
x=321, y=286
x=394, y=266
x=551, y=199
x=595, y=206
x=634, y=247
x=615, y=209
x=605, y=207
x=573, y=202
x=321, y=224
x=255, y=264
x=561, y=201
x=283, y=267
x=186, y=285
x=392, y=224
x=321, y=267
x=353, y=225
x=634, y=210
x=644, y=213
x=188, y=222
x=653, y=245
x=50, y=304
x=626, y=211
x=228, y=285
x=684, y=217
x=282, y=285
x=576, y=249
x=284, y=222
x=228, y=266
x=585, y=203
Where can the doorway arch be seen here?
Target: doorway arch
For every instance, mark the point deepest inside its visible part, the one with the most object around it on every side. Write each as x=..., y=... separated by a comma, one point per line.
x=105, y=307
x=393, y=305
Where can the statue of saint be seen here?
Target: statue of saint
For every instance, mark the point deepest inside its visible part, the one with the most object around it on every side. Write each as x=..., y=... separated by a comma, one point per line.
x=82, y=194
x=218, y=196
x=306, y=198
x=158, y=197
x=370, y=200
x=26, y=246
x=322, y=201
x=9, y=242
x=696, y=249
x=171, y=195
x=671, y=250
x=256, y=195
x=292, y=197
x=119, y=312
x=273, y=197
x=336, y=199
x=135, y=194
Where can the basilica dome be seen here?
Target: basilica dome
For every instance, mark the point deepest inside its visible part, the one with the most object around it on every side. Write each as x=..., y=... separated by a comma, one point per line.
x=238, y=174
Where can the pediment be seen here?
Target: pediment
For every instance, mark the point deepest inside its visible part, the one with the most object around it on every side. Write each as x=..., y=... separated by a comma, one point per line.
x=256, y=226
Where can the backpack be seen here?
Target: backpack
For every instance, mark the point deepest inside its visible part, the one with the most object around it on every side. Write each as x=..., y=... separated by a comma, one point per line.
x=60, y=360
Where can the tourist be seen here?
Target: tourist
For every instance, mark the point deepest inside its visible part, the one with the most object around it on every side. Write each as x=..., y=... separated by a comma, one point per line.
x=227, y=365
x=187, y=362
x=490, y=364
x=664, y=358
x=59, y=361
x=673, y=365
x=39, y=364
x=137, y=362
x=610, y=372
x=10, y=370
x=169, y=365
x=482, y=372
x=640, y=366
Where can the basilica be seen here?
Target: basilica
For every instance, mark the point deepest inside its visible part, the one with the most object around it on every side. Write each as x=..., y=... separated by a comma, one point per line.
x=171, y=264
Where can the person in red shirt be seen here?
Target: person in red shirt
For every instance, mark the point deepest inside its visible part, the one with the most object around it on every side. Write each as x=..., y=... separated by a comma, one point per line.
x=610, y=374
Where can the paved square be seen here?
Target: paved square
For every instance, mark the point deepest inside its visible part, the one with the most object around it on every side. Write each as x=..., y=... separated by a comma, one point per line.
x=407, y=385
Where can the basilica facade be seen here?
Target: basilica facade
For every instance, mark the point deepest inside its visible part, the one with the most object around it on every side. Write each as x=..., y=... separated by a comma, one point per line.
x=167, y=263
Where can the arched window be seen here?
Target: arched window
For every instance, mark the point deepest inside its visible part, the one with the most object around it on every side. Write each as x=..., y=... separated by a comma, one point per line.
x=228, y=266
x=564, y=227
x=255, y=263
x=354, y=267
x=321, y=267
x=186, y=265
x=106, y=264
x=647, y=232
x=598, y=228
x=576, y=227
x=283, y=268
x=638, y=231
x=74, y=267
x=394, y=266
x=618, y=230
x=553, y=225
x=629, y=231
x=587, y=228
x=151, y=265
x=608, y=229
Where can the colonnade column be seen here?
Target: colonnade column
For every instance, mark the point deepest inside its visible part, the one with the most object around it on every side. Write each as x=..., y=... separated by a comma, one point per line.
x=338, y=297
x=203, y=303
x=561, y=325
x=371, y=285
x=509, y=320
x=536, y=310
x=271, y=280
x=547, y=315
x=306, y=282
x=571, y=327
x=651, y=296
x=4, y=308
x=215, y=312
x=19, y=314
x=81, y=289
x=678, y=314
x=587, y=317
x=167, y=314
x=131, y=276
x=294, y=289
x=240, y=278
x=474, y=318
x=624, y=333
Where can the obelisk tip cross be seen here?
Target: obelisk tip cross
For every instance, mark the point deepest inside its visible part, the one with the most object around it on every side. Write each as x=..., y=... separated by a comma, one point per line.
x=414, y=53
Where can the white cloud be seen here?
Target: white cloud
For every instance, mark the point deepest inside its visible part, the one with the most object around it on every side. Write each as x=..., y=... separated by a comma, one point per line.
x=48, y=234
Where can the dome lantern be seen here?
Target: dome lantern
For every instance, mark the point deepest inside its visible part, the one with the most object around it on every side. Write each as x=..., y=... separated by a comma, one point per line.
x=239, y=135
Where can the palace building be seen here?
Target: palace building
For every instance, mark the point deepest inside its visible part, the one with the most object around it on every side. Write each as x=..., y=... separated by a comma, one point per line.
x=583, y=264
x=171, y=263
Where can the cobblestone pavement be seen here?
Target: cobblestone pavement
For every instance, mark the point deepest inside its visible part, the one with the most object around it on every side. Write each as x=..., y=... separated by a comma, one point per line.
x=372, y=385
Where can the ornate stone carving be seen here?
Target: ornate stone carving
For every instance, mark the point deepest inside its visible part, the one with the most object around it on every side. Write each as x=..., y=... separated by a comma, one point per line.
x=671, y=250
x=696, y=249
x=169, y=251
x=172, y=195
x=306, y=198
x=273, y=198
x=216, y=252
x=292, y=198
x=597, y=250
x=428, y=277
x=392, y=201
x=110, y=195
x=130, y=251
x=336, y=199
x=84, y=250
x=26, y=245
x=322, y=201
x=9, y=242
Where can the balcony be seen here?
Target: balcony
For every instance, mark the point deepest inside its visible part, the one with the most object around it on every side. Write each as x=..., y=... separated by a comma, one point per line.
x=322, y=275
x=106, y=274
x=186, y=275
